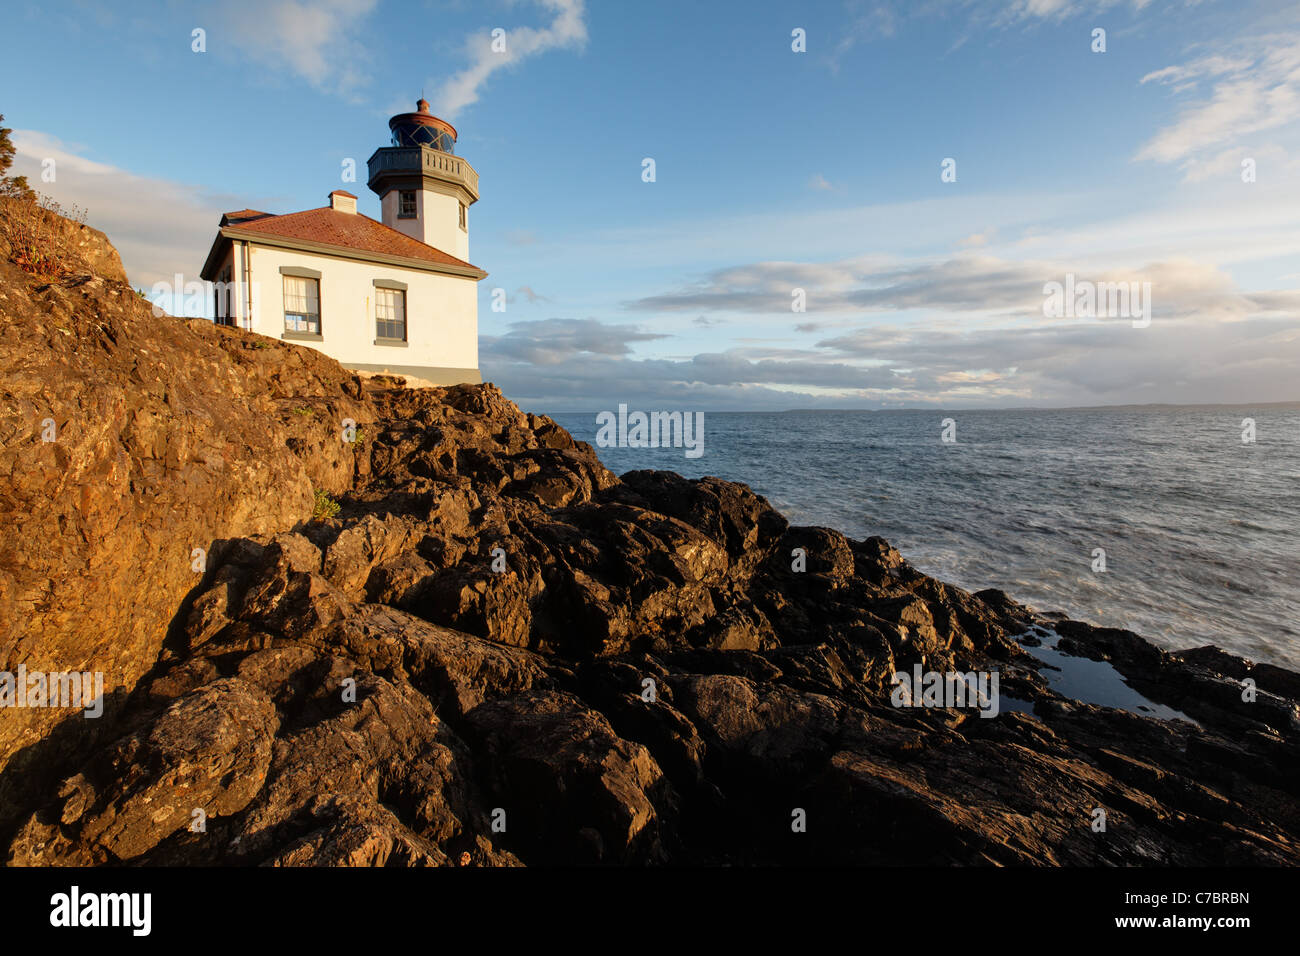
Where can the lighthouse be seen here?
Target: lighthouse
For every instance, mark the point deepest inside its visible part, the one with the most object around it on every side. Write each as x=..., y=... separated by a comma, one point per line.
x=425, y=189
x=393, y=296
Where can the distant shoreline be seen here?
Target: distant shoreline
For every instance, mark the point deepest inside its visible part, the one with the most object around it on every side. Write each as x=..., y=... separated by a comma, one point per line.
x=1149, y=406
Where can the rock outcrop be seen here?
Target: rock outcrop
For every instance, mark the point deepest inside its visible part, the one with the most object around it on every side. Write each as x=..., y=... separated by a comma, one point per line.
x=134, y=448
x=497, y=652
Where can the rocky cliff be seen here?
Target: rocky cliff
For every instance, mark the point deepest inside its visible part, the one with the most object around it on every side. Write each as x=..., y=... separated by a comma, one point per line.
x=497, y=652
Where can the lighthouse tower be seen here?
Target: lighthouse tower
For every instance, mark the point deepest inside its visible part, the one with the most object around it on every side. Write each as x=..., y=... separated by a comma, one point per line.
x=424, y=188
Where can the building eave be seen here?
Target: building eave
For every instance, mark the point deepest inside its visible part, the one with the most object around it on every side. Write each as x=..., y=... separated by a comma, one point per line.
x=215, y=255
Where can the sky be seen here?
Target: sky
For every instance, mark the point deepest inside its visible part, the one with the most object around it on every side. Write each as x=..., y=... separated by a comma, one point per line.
x=775, y=170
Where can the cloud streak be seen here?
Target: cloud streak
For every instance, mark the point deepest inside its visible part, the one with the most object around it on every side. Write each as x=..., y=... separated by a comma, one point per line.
x=567, y=31
x=1181, y=289
x=1250, y=90
x=557, y=341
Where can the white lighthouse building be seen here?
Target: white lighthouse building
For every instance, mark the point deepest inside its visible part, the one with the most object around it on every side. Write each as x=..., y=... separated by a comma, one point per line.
x=397, y=295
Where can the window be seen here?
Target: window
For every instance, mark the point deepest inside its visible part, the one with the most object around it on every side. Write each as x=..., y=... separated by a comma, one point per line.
x=406, y=204
x=227, y=278
x=462, y=216
x=224, y=295
x=390, y=314
x=302, y=305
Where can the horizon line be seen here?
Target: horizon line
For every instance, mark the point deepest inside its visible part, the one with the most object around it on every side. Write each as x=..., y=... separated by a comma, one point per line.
x=943, y=408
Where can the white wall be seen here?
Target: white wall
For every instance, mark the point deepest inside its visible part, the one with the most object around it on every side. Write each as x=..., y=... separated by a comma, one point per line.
x=414, y=228
x=441, y=311
x=441, y=215
x=437, y=221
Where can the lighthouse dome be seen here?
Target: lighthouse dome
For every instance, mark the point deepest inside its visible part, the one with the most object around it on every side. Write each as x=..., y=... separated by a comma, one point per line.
x=422, y=128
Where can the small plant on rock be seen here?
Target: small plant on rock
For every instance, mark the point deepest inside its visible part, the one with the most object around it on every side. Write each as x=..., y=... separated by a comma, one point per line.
x=325, y=506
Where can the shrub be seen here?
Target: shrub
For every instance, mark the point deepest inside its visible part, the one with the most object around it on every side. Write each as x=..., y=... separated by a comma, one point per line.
x=39, y=243
x=30, y=224
x=325, y=506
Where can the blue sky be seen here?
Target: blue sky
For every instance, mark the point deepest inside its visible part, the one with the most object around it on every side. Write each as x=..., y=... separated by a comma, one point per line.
x=775, y=170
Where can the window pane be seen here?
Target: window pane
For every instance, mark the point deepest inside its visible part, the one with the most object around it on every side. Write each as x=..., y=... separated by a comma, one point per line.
x=390, y=314
x=301, y=305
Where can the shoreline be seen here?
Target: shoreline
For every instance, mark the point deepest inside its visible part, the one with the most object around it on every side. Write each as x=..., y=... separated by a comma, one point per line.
x=1191, y=561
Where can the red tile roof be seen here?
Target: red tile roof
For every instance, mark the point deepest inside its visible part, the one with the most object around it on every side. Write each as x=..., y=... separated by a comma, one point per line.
x=243, y=214
x=347, y=230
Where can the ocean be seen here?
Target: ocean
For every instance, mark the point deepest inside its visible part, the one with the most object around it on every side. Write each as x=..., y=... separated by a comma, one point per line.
x=1197, y=526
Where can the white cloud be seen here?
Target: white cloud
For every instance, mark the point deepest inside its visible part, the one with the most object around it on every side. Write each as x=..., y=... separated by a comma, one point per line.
x=1178, y=76
x=1253, y=90
x=159, y=227
x=568, y=30
x=985, y=285
x=1056, y=365
x=556, y=341
x=322, y=42
x=978, y=239
x=1062, y=9
x=1045, y=8
x=876, y=20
